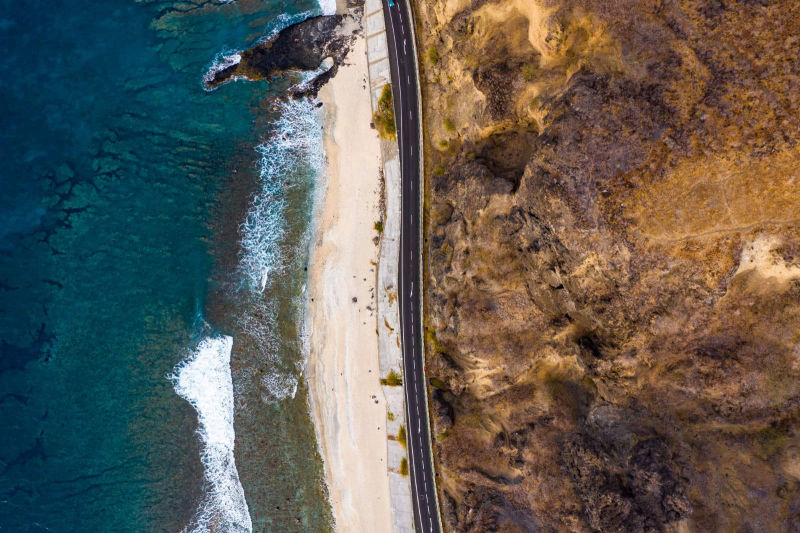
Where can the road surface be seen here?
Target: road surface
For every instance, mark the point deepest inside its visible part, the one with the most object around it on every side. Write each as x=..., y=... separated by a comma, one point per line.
x=400, y=35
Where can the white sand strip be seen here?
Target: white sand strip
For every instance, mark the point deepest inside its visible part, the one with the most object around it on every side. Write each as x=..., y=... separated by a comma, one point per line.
x=343, y=371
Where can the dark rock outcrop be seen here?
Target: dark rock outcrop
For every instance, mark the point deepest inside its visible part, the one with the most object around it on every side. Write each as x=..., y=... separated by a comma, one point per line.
x=303, y=47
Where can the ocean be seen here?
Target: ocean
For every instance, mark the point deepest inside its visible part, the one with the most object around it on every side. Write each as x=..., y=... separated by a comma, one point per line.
x=153, y=246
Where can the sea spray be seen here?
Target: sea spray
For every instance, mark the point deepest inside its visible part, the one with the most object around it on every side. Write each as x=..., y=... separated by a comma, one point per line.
x=204, y=380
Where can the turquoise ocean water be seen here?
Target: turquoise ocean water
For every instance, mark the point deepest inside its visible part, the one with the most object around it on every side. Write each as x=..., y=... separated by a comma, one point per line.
x=152, y=243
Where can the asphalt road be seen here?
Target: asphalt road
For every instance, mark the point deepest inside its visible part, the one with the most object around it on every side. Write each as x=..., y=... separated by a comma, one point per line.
x=399, y=32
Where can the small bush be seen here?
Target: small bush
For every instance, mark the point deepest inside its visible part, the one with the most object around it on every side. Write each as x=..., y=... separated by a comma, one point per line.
x=392, y=379
x=433, y=55
x=432, y=340
x=384, y=115
x=404, y=466
x=769, y=441
x=438, y=384
x=379, y=226
x=401, y=436
x=390, y=416
x=443, y=144
x=438, y=171
x=529, y=71
x=449, y=125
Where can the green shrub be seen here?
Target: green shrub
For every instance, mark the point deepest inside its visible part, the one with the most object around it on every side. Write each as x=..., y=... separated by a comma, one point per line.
x=448, y=125
x=379, y=226
x=401, y=436
x=390, y=416
x=438, y=171
x=392, y=379
x=404, y=466
x=529, y=71
x=438, y=384
x=384, y=115
x=433, y=55
x=432, y=340
x=769, y=441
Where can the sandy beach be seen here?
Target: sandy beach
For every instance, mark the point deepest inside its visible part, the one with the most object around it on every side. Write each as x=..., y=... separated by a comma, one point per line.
x=343, y=370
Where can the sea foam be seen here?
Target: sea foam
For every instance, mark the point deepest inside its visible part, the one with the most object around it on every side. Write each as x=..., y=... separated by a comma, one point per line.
x=223, y=60
x=328, y=7
x=293, y=151
x=204, y=380
x=292, y=156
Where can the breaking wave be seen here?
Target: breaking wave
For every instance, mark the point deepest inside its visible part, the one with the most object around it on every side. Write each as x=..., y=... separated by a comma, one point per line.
x=223, y=60
x=328, y=7
x=228, y=58
x=274, y=378
x=292, y=156
x=284, y=20
x=309, y=76
x=292, y=152
x=204, y=380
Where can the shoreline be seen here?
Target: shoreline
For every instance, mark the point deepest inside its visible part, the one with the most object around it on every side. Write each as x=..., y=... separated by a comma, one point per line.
x=343, y=370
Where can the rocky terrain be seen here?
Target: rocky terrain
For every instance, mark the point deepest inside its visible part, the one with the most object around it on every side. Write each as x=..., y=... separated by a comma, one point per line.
x=318, y=44
x=613, y=263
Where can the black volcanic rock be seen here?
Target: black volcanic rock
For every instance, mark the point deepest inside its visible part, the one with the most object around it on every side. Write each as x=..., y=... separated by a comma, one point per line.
x=300, y=47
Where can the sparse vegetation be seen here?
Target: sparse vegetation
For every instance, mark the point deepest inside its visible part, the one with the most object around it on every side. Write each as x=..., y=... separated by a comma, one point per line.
x=392, y=379
x=432, y=341
x=769, y=441
x=390, y=416
x=433, y=55
x=379, y=226
x=401, y=436
x=529, y=71
x=438, y=383
x=384, y=115
x=404, y=466
x=674, y=413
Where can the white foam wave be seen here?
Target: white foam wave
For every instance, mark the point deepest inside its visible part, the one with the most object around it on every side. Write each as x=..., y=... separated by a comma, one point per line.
x=223, y=60
x=227, y=58
x=284, y=20
x=310, y=75
x=294, y=151
x=328, y=7
x=204, y=380
x=276, y=379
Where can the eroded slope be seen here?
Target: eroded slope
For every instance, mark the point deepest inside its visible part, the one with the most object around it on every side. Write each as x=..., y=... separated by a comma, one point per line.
x=613, y=263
